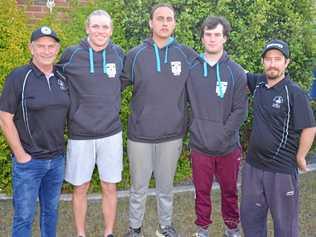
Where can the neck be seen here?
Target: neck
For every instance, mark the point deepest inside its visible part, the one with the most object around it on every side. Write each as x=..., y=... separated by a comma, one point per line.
x=273, y=82
x=161, y=42
x=213, y=56
x=46, y=69
x=97, y=48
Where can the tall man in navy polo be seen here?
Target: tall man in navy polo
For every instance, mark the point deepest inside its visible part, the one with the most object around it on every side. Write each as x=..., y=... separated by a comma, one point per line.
x=33, y=109
x=282, y=134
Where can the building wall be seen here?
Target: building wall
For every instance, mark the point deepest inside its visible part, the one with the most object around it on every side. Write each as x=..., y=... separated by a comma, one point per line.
x=37, y=9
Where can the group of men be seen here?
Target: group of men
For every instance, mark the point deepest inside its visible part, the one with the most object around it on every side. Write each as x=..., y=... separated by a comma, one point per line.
x=84, y=89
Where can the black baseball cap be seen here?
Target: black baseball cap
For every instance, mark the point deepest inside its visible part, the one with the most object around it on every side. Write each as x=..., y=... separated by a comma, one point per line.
x=279, y=45
x=44, y=31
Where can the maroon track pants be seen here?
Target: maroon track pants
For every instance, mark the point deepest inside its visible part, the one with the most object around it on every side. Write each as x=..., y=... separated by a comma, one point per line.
x=225, y=169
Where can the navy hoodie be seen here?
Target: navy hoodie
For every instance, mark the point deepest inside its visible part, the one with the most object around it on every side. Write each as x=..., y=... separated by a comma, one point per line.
x=95, y=90
x=158, y=75
x=218, y=99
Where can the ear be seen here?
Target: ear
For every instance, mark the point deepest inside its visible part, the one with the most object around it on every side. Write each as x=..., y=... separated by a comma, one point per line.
x=225, y=38
x=287, y=62
x=150, y=24
x=30, y=46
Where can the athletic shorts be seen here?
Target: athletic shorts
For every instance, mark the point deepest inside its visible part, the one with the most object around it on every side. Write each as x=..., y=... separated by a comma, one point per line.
x=83, y=155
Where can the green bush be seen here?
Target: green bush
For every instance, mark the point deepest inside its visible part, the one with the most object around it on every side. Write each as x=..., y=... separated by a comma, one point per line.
x=253, y=22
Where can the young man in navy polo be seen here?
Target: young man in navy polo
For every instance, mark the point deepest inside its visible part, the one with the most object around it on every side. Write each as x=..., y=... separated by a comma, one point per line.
x=33, y=109
x=282, y=134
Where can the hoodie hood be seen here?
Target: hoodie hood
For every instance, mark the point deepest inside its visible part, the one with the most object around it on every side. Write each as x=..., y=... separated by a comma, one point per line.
x=156, y=49
x=85, y=45
x=203, y=60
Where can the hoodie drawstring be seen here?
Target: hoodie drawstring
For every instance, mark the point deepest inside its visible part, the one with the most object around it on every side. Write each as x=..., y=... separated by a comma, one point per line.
x=91, y=60
x=158, y=63
x=166, y=55
x=104, y=62
x=218, y=75
x=158, y=68
x=219, y=81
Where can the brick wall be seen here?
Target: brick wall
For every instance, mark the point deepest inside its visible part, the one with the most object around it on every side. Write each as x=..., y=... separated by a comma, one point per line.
x=37, y=9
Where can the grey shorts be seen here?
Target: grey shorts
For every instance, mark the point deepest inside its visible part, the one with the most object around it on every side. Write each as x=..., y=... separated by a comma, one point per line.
x=83, y=155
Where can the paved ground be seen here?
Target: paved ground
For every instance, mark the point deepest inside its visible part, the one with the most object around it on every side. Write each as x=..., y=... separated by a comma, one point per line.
x=183, y=214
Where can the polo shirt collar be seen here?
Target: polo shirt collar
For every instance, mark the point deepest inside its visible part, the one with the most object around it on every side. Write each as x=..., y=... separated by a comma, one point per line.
x=38, y=72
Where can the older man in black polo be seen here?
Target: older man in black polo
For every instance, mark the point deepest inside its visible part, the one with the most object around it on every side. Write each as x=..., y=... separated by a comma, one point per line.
x=282, y=134
x=33, y=109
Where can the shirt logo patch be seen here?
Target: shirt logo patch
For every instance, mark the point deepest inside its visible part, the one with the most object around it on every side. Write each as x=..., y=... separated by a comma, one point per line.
x=61, y=84
x=277, y=101
x=176, y=68
x=224, y=87
x=111, y=70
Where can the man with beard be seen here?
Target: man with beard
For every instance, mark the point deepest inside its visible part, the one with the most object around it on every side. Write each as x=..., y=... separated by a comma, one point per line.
x=93, y=68
x=217, y=92
x=282, y=134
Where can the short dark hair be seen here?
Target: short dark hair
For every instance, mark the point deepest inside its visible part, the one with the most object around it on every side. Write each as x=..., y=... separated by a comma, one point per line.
x=212, y=22
x=156, y=6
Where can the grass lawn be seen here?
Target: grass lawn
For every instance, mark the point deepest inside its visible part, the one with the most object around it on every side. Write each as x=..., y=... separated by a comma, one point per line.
x=183, y=215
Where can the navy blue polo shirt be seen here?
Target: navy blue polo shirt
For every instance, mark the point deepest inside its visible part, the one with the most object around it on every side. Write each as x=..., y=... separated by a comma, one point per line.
x=280, y=113
x=40, y=107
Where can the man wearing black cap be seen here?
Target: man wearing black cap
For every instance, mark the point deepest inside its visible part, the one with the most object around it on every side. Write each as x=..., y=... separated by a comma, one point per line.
x=282, y=134
x=33, y=109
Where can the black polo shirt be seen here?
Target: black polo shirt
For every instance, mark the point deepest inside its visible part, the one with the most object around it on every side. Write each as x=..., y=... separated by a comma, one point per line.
x=40, y=107
x=280, y=113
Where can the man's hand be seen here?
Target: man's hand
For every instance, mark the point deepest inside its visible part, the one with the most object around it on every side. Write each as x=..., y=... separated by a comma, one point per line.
x=301, y=163
x=23, y=158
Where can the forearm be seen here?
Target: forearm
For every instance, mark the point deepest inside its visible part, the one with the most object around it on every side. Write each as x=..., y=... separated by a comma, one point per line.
x=306, y=141
x=11, y=134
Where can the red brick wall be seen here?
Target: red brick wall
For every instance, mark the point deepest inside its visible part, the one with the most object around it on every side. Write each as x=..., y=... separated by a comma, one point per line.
x=37, y=9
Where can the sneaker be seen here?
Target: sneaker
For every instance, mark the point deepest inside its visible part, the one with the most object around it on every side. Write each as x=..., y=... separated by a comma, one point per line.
x=134, y=232
x=201, y=232
x=167, y=231
x=232, y=232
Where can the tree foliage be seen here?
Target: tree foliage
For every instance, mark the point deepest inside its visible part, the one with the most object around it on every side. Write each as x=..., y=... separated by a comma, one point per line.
x=254, y=22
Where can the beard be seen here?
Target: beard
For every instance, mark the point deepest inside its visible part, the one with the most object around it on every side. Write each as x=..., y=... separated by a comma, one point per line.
x=274, y=74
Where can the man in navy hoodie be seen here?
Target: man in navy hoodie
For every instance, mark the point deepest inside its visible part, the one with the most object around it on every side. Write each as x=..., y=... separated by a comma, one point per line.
x=92, y=69
x=157, y=69
x=217, y=94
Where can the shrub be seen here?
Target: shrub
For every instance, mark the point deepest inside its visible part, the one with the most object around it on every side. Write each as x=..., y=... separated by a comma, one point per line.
x=253, y=23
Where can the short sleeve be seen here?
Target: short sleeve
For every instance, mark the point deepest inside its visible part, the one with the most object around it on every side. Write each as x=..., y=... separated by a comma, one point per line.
x=251, y=81
x=303, y=116
x=9, y=99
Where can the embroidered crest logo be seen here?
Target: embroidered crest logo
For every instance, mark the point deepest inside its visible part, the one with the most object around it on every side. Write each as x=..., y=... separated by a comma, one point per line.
x=277, y=101
x=111, y=70
x=61, y=84
x=224, y=87
x=176, y=68
x=46, y=30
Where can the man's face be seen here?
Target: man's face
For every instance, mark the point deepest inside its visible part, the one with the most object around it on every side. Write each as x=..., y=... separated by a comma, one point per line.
x=99, y=31
x=44, y=50
x=213, y=40
x=275, y=64
x=163, y=23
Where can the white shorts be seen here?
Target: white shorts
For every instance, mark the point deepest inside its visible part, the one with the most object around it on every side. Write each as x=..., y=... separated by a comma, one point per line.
x=83, y=155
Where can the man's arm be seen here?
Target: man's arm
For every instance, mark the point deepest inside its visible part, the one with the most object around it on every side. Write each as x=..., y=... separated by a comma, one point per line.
x=306, y=141
x=239, y=108
x=11, y=134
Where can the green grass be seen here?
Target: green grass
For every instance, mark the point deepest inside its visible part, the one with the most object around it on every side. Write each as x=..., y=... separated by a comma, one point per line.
x=183, y=215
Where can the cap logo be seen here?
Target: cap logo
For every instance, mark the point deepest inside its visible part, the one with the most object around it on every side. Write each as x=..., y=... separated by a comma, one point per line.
x=46, y=30
x=275, y=45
